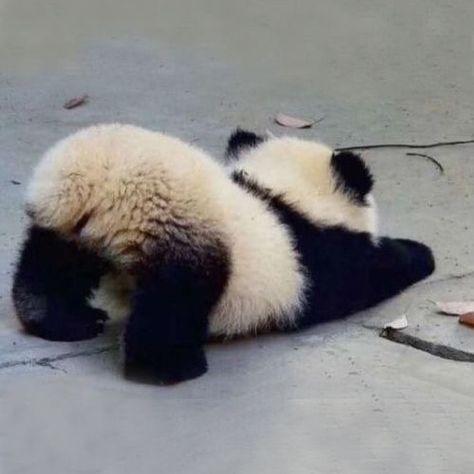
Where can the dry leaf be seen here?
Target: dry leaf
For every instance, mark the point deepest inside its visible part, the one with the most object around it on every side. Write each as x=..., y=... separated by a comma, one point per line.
x=455, y=308
x=467, y=318
x=76, y=102
x=293, y=122
x=399, y=323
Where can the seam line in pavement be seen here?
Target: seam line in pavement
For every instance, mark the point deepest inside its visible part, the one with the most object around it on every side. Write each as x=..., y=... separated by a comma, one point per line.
x=48, y=361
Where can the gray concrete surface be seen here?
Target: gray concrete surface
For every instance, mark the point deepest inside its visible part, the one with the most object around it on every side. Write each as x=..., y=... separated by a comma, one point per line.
x=335, y=399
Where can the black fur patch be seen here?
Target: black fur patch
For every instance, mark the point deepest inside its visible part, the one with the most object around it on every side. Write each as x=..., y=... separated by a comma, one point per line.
x=52, y=282
x=347, y=272
x=244, y=180
x=242, y=140
x=398, y=263
x=352, y=175
x=168, y=324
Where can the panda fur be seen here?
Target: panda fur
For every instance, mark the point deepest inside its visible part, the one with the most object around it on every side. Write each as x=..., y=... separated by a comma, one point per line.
x=147, y=227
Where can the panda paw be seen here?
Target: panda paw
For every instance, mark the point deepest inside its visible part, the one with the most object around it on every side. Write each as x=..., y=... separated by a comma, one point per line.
x=421, y=260
x=78, y=325
x=168, y=367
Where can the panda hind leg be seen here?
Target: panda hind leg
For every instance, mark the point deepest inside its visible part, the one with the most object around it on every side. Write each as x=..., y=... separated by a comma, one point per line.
x=168, y=325
x=398, y=264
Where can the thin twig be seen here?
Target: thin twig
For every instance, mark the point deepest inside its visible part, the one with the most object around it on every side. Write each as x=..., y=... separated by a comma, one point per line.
x=404, y=145
x=319, y=120
x=429, y=158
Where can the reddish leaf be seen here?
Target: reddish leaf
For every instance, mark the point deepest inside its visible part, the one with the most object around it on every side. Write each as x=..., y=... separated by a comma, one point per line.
x=293, y=122
x=455, y=308
x=76, y=102
x=467, y=319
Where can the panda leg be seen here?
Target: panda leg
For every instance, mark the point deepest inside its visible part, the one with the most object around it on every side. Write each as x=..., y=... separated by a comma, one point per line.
x=52, y=282
x=168, y=325
x=397, y=264
x=241, y=140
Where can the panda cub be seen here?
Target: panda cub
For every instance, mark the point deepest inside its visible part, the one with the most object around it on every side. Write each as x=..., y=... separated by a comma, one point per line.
x=140, y=223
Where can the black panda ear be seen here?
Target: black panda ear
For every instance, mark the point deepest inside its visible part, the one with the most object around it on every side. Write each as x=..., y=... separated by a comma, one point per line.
x=242, y=140
x=352, y=175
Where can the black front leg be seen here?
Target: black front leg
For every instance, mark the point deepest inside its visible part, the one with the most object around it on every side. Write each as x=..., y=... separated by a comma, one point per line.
x=52, y=282
x=168, y=325
x=397, y=264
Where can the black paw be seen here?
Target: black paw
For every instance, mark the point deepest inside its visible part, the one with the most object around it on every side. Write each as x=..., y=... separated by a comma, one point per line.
x=422, y=263
x=76, y=325
x=168, y=367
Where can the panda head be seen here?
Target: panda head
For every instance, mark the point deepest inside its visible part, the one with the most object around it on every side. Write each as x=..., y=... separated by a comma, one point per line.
x=59, y=192
x=330, y=188
x=69, y=185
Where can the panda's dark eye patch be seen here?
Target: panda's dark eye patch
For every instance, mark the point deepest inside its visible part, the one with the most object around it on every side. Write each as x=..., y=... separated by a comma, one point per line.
x=242, y=140
x=352, y=175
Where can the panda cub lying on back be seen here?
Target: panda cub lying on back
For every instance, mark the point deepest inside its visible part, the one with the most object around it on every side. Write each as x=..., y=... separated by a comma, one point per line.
x=282, y=238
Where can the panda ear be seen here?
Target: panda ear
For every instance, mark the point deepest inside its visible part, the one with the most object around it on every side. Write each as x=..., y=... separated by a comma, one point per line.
x=352, y=175
x=242, y=140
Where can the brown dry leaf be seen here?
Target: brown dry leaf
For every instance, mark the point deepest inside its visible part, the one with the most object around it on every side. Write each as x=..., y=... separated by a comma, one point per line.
x=293, y=122
x=399, y=323
x=467, y=318
x=455, y=308
x=76, y=102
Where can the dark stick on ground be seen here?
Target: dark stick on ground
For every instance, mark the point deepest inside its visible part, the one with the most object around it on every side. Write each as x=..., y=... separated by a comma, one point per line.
x=439, y=350
x=405, y=145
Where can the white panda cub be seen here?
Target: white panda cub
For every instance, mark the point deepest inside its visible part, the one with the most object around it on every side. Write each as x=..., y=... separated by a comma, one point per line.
x=282, y=238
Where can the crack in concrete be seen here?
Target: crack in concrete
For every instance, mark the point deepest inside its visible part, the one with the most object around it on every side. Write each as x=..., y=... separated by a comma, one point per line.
x=48, y=361
x=446, y=278
x=438, y=350
x=49, y=365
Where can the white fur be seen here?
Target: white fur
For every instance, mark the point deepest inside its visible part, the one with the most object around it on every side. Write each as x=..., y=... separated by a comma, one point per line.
x=301, y=171
x=114, y=294
x=266, y=284
x=135, y=187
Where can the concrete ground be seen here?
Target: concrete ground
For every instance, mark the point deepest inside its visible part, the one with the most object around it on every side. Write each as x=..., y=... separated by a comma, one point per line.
x=334, y=399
